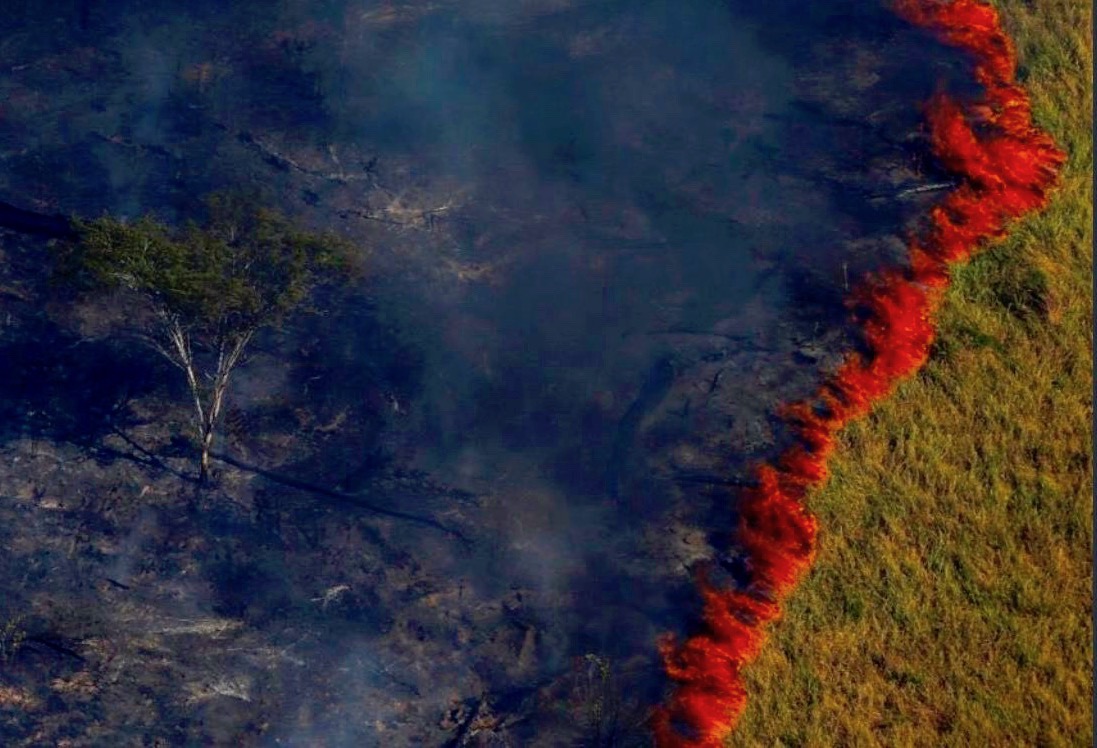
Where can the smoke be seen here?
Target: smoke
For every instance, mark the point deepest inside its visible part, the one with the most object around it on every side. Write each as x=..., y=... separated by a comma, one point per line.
x=1006, y=167
x=608, y=238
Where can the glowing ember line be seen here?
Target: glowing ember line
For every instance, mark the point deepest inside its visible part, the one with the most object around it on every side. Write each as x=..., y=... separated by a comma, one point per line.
x=1005, y=166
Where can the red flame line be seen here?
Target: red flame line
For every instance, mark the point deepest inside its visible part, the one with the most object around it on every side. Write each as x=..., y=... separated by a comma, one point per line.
x=1006, y=167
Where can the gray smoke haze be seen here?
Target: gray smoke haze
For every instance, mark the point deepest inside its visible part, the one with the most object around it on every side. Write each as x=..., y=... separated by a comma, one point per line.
x=607, y=238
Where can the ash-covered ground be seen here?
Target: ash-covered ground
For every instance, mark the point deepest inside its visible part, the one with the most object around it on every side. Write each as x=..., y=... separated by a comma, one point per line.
x=457, y=505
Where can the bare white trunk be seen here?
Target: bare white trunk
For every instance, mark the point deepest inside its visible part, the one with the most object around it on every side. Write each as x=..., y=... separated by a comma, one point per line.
x=229, y=352
x=208, y=403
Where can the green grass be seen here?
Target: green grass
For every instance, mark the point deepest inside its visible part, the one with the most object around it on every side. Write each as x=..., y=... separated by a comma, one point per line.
x=951, y=600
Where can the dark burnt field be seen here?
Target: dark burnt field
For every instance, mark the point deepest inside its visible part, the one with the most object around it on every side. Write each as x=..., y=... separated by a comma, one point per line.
x=458, y=503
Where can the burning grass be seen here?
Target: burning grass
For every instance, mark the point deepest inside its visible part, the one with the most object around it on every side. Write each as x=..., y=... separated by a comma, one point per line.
x=1006, y=477
x=951, y=601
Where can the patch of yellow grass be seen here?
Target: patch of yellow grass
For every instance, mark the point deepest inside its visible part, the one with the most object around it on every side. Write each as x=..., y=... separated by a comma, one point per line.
x=951, y=600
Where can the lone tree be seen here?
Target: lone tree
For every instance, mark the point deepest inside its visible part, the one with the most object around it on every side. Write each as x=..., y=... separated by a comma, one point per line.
x=208, y=289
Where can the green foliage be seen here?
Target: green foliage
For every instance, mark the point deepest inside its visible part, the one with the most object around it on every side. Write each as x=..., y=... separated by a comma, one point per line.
x=246, y=267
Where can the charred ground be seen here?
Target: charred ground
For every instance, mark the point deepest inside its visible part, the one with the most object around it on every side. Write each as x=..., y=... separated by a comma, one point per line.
x=459, y=505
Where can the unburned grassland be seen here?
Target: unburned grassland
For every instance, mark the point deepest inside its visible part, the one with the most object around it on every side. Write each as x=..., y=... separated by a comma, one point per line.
x=951, y=600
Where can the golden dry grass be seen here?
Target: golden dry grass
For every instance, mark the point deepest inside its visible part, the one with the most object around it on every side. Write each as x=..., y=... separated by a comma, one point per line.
x=951, y=600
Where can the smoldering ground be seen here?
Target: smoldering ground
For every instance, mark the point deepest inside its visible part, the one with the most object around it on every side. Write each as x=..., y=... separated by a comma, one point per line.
x=606, y=239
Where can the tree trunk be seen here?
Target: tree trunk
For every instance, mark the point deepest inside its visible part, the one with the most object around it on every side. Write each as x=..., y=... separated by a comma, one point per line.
x=207, y=444
x=229, y=350
x=209, y=427
x=228, y=356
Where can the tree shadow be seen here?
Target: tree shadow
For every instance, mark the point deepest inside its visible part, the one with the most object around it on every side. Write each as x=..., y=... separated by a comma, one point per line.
x=60, y=387
x=349, y=500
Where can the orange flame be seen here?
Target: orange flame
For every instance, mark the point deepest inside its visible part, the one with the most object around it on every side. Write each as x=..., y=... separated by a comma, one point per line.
x=1006, y=167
